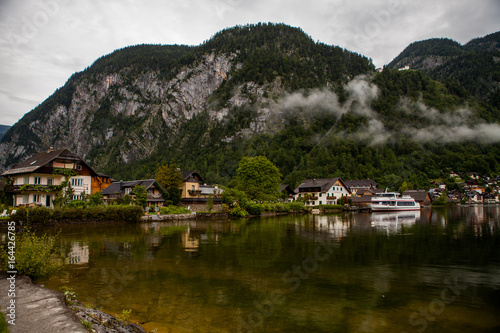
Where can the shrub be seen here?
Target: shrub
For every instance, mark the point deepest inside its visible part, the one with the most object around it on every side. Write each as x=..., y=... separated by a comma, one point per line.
x=283, y=208
x=21, y=214
x=297, y=206
x=40, y=214
x=174, y=210
x=33, y=255
x=254, y=209
x=269, y=207
x=76, y=204
x=237, y=211
x=331, y=206
x=96, y=213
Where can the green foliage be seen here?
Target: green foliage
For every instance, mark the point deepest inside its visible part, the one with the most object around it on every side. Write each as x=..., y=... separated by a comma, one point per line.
x=232, y=196
x=140, y=196
x=3, y=324
x=174, y=210
x=125, y=315
x=210, y=203
x=169, y=177
x=258, y=178
x=40, y=215
x=96, y=199
x=441, y=201
x=336, y=207
x=254, y=209
x=237, y=211
x=297, y=206
x=35, y=256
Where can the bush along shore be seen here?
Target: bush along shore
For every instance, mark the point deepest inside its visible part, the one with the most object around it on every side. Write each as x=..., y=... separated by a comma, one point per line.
x=47, y=216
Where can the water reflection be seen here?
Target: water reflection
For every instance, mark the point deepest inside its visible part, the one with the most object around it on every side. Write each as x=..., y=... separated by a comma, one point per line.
x=394, y=222
x=375, y=271
x=78, y=255
x=336, y=226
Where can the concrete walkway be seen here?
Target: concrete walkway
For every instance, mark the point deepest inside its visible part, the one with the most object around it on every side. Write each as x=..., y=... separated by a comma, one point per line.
x=37, y=310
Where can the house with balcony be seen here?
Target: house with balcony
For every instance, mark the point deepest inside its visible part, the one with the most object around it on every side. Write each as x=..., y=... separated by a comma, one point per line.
x=36, y=181
x=195, y=191
x=118, y=190
x=324, y=191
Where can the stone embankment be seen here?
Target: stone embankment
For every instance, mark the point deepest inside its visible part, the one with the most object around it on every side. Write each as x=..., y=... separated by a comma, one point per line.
x=30, y=307
x=169, y=217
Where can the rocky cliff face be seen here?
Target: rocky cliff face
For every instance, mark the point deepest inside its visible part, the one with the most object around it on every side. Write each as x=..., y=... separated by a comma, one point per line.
x=134, y=103
x=156, y=107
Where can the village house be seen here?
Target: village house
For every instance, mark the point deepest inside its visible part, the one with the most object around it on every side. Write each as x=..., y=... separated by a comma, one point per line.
x=195, y=192
x=324, y=191
x=361, y=185
x=35, y=181
x=118, y=190
x=422, y=197
x=288, y=192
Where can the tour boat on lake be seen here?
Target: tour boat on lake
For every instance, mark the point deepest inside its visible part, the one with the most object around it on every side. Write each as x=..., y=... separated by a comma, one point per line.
x=392, y=201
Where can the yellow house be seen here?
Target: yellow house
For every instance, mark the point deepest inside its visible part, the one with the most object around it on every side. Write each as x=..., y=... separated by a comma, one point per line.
x=191, y=184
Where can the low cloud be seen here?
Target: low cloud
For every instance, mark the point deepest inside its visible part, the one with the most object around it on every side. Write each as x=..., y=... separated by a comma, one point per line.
x=458, y=125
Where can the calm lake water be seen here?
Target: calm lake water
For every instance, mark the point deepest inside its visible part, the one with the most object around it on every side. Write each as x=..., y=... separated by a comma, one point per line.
x=429, y=271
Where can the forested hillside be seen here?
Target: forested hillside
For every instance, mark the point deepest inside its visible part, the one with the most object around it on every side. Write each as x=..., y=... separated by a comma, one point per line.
x=314, y=110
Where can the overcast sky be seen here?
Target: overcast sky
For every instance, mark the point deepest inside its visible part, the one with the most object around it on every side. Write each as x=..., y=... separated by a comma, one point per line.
x=43, y=42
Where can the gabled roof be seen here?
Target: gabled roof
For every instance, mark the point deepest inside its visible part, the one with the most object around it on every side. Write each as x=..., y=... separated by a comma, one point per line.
x=323, y=183
x=35, y=162
x=366, y=183
x=418, y=195
x=286, y=187
x=119, y=187
x=186, y=174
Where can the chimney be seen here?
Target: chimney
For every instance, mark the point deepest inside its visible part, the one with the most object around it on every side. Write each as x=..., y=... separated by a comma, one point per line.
x=314, y=181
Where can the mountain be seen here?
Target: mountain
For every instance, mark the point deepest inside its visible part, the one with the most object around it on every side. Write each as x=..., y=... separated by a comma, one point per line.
x=314, y=110
x=133, y=102
x=472, y=69
x=3, y=130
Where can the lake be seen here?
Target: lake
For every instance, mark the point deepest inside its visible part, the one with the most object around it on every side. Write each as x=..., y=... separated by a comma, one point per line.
x=430, y=271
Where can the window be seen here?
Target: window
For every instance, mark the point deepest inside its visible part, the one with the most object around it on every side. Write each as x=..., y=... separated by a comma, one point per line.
x=320, y=202
x=26, y=180
x=79, y=167
x=320, y=196
x=128, y=190
x=26, y=198
x=38, y=180
x=77, y=197
x=36, y=197
x=50, y=181
x=76, y=182
x=192, y=187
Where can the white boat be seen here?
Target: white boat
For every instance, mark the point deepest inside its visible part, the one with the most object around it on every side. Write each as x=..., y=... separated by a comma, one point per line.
x=392, y=201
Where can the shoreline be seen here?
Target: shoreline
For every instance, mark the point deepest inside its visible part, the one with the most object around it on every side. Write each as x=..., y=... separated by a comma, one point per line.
x=35, y=308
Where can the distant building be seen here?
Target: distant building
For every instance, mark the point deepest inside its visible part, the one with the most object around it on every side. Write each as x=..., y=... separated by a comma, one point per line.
x=118, y=190
x=361, y=185
x=422, y=197
x=195, y=192
x=289, y=192
x=324, y=191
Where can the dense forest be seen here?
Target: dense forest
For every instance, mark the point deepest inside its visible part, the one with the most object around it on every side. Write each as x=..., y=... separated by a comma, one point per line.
x=350, y=122
x=326, y=145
